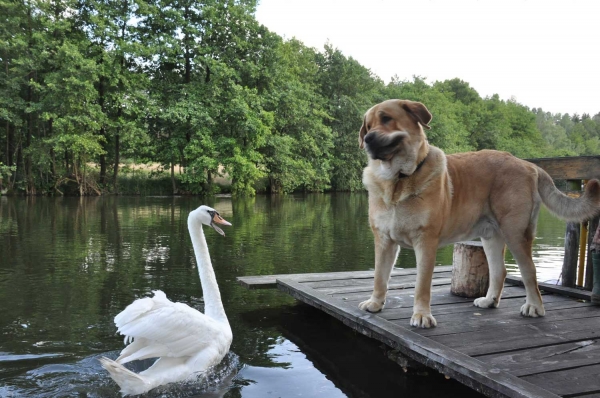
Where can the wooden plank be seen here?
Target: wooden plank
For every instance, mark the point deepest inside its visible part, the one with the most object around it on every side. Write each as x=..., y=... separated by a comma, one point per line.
x=395, y=279
x=570, y=382
x=469, y=371
x=548, y=287
x=546, y=359
x=368, y=288
x=490, y=322
x=570, y=168
x=439, y=295
x=532, y=335
x=269, y=281
x=507, y=302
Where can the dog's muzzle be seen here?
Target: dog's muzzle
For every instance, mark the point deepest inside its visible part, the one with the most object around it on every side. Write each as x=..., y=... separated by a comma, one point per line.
x=380, y=146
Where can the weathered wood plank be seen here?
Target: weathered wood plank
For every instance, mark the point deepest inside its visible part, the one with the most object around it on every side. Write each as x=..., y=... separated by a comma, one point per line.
x=532, y=335
x=546, y=359
x=507, y=302
x=490, y=322
x=395, y=279
x=368, y=288
x=439, y=295
x=569, y=382
x=469, y=371
x=570, y=168
x=548, y=287
x=269, y=281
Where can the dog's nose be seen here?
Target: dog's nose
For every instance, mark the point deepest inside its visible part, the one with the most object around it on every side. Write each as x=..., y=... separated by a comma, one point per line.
x=369, y=138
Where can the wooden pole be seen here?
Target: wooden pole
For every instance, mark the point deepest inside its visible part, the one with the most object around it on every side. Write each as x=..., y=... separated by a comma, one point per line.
x=582, y=245
x=595, y=249
x=583, y=234
x=569, y=269
x=594, y=223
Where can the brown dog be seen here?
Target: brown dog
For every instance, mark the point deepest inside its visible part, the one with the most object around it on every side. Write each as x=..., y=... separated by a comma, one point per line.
x=421, y=198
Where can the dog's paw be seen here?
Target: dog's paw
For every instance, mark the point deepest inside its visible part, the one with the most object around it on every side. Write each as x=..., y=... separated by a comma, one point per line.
x=371, y=305
x=484, y=302
x=421, y=320
x=532, y=310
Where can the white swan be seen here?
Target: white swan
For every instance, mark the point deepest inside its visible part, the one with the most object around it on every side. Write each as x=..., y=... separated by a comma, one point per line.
x=185, y=340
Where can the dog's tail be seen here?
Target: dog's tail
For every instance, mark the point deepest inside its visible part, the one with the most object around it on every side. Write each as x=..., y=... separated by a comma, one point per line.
x=565, y=207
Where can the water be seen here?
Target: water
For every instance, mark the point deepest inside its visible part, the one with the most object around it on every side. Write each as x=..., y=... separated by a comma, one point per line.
x=69, y=265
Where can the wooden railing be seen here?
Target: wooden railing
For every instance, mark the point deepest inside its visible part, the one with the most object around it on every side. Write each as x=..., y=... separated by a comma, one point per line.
x=576, y=170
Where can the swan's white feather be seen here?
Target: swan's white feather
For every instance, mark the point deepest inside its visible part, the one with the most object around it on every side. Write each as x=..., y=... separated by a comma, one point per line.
x=168, y=329
x=185, y=340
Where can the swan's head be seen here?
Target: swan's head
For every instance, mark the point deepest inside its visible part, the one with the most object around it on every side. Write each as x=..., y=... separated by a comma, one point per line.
x=208, y=216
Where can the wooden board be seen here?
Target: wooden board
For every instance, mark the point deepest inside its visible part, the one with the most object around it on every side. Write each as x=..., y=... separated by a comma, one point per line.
x=495, y=351
x=583, y=380
x=570, y=168
x=269, y=281
x=548, y=287
x=547, y=358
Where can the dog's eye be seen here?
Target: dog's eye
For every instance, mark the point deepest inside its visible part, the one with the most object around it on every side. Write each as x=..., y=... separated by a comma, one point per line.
x=385, y=119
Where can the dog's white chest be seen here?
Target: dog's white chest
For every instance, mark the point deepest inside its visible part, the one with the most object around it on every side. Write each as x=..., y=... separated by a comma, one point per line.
x=401, y=225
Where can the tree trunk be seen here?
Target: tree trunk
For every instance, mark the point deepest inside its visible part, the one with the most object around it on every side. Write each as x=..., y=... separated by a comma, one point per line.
x=52, y=154
x=173, y=178
x=102, y=176
x=117, y=161
x=470, y=270
x=30, y=188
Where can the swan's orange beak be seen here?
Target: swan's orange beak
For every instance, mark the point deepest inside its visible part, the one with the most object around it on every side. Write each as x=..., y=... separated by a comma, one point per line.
x=217, y=219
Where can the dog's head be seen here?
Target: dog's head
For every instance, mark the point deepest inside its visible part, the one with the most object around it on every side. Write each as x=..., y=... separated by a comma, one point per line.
x=392, y=133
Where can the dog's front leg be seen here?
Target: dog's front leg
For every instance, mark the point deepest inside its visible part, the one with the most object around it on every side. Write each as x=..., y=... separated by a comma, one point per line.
x=386, y=253
x=425, y=252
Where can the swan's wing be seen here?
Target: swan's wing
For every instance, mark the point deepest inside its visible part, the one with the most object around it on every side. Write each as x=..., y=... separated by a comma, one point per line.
x=134, y=310
x=170, y=330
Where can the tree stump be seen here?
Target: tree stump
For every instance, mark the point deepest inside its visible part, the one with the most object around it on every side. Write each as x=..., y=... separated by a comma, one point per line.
x=470, y=271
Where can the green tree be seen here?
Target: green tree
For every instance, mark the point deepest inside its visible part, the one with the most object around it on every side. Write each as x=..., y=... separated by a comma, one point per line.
x=350, y=89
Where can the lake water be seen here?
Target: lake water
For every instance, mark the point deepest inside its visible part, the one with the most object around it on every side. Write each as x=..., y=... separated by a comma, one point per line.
x=69, y=265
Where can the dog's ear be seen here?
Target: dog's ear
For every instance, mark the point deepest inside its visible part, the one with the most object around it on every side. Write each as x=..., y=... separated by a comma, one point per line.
x=419, y=112
x=362, y=133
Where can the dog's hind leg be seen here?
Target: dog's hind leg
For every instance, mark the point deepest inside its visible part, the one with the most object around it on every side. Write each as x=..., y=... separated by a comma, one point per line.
x=494, y=251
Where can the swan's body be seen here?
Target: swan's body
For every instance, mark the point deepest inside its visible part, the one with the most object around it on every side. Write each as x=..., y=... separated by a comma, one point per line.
x=185, y=340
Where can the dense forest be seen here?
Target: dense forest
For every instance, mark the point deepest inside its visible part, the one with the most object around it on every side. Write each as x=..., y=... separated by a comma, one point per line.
x=199, y=89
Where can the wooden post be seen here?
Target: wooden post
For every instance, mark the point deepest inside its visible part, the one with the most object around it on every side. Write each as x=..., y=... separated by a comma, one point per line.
x=583, y=237
x=589, y=270
x=595, y=250
x=470, y=271
x=569, y=269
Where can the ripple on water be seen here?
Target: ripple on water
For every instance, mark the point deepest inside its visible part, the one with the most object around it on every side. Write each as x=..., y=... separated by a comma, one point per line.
x=87, y=378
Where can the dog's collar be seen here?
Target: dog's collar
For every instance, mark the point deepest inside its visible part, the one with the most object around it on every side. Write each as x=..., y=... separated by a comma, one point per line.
x=402, y=175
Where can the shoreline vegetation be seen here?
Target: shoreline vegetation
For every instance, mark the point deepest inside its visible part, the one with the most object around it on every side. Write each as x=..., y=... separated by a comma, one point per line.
x=91, y=88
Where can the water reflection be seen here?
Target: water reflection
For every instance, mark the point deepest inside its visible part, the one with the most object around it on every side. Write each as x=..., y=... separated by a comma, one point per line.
x=69, y=265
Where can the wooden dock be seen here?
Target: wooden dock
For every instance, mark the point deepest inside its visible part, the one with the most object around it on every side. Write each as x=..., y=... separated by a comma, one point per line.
x=495, y=351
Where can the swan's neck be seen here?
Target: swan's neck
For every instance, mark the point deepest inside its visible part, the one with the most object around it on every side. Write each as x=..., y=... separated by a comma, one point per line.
x=213, y=307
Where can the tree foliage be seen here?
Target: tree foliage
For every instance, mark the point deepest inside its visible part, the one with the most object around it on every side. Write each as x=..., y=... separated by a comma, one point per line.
x=202, y=90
